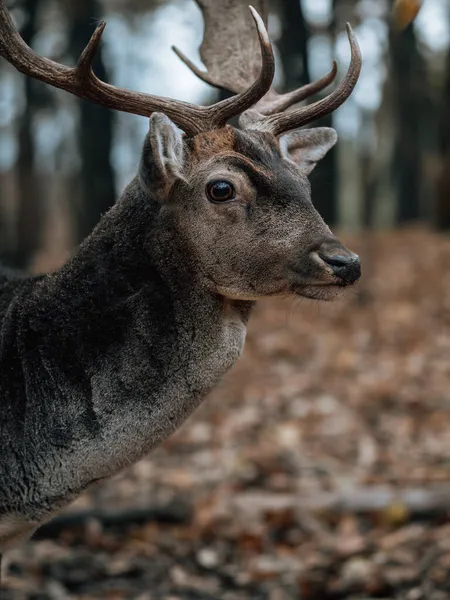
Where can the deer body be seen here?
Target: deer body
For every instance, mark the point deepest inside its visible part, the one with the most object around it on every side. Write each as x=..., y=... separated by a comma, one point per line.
x=104, y=359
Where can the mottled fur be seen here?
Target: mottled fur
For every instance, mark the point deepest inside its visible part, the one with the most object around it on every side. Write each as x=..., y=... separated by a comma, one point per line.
x=102, y=360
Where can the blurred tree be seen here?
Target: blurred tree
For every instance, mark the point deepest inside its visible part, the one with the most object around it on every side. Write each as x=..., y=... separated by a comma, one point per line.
x=293, y=46
x=324, y=180
x=443, y=185
x=3, y=231
x=293, y=43
x=95, y=128
x=29, y=217
x=408, y=77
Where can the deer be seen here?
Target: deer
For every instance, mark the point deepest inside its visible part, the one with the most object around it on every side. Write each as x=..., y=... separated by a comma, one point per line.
x=104, y=358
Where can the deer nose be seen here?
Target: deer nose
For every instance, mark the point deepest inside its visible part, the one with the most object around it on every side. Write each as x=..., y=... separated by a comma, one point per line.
x=345, y=264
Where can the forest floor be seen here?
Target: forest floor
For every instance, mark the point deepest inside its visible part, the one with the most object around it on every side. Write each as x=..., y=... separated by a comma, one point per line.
x=319, y=469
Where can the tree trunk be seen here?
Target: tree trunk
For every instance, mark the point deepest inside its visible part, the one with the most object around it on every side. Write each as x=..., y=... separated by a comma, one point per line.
x=293, y=44
x=95, y=130
x=408, y=78
x=324, y=179
x=442, y=215
x=29, y=200
x=324, y=183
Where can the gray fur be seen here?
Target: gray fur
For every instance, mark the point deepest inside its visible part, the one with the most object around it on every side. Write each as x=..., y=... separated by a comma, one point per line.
x=104, y=359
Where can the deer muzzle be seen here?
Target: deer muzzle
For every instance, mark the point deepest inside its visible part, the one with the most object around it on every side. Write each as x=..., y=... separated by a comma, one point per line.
x=340, y=262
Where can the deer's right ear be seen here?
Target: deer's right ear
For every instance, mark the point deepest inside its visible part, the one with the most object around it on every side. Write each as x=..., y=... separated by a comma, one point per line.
x=162, y=156
x=307, y=146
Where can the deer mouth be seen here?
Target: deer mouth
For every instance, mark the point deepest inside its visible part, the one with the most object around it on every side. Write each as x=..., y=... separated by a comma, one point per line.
x=319, y=291
x=316, y=289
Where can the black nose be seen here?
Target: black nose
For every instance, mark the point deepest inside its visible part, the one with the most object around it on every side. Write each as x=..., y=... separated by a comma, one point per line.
x=345, y=266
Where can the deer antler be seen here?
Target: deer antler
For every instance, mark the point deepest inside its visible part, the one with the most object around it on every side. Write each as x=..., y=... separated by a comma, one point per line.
x=229, y=51
x=82, y=82
x=228, y=45
x=286, y=121
x=229, y=48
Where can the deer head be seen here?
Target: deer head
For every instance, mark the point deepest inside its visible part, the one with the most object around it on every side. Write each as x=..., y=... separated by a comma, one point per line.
x=237, y=200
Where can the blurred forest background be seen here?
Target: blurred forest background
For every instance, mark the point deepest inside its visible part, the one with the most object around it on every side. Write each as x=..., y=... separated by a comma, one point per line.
x=60, y=156
x=320, y=468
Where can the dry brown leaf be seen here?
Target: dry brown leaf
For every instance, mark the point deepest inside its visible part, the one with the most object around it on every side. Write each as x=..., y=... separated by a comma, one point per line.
x=404, y=12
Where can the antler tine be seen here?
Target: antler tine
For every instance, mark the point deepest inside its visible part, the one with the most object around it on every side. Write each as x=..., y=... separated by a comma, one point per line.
x=281, y=102
x=84, y=65
x=82, y=82
x=283, y=122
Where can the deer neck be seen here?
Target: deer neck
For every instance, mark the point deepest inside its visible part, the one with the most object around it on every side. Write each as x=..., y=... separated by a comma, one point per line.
x=117, y=349
x=148, y=336
x=132, y=272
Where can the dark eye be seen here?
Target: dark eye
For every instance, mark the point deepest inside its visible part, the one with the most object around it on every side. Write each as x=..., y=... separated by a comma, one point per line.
x=220, y=191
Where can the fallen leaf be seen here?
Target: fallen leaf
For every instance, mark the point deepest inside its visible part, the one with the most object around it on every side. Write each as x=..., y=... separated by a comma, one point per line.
x=404, y=12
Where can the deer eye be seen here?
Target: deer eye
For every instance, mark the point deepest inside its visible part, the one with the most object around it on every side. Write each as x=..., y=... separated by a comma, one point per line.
x=220, y=191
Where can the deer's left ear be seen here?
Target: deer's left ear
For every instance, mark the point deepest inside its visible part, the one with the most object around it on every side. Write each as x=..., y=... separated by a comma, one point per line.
x=162, y=156
x=307, y=146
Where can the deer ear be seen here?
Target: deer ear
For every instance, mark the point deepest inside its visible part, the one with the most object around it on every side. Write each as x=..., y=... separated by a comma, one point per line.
x=307, y=146
x=162, y=156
